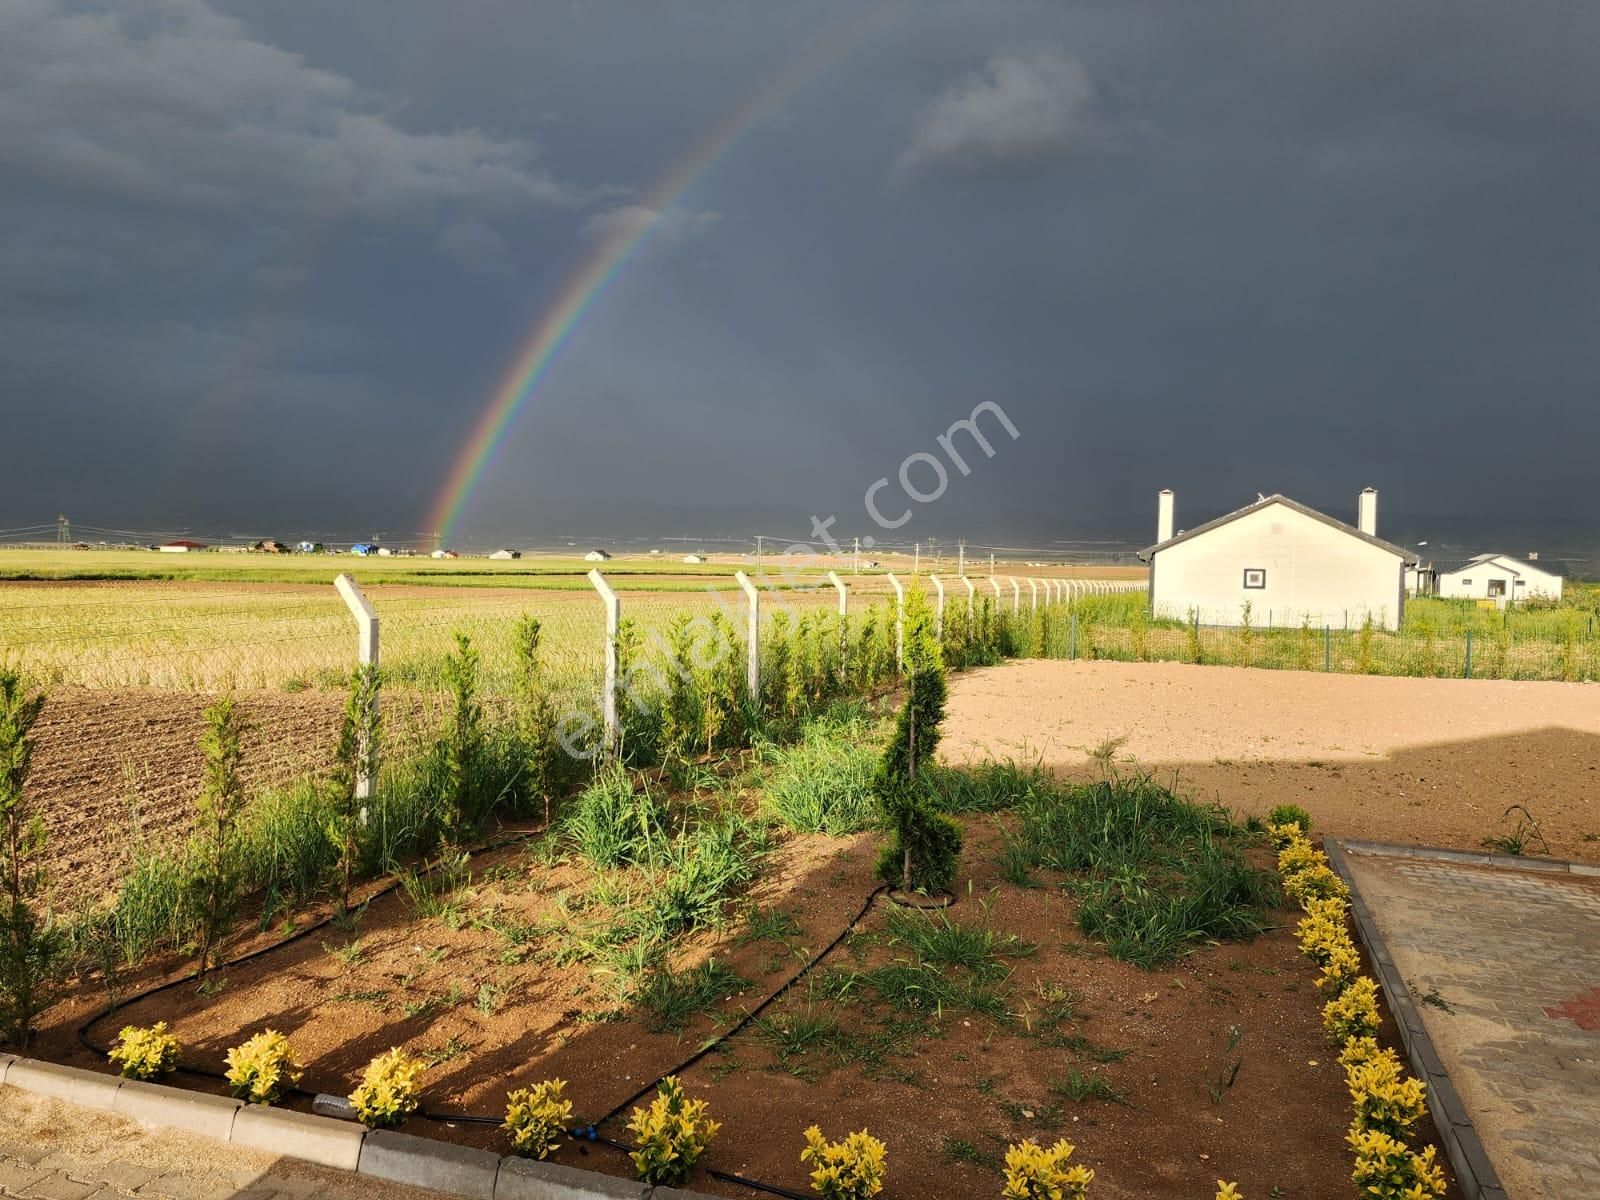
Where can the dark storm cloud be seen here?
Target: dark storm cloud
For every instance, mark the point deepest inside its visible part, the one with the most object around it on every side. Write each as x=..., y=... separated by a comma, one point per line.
x=263, y=264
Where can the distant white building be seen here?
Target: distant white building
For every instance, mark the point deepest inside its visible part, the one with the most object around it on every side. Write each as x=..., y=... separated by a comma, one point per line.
x=694, y=558
x=506, y=555
x=181, y=546
x=1501, y=578
x=444, y=554
x=597, y=556
x=1291, y=564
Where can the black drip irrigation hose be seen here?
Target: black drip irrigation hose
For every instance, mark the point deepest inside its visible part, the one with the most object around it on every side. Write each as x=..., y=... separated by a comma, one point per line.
x=139, y=997
x=581, y=1133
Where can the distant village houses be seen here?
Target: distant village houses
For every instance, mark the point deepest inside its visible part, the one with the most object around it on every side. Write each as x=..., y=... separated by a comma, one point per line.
x=1502, y=579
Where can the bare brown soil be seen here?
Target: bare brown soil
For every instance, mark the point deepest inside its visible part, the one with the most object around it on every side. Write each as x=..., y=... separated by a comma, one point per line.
x=1424, y=761
x=117, y=769
x=946, y=1090
x=112, y=768
x=1433, y=761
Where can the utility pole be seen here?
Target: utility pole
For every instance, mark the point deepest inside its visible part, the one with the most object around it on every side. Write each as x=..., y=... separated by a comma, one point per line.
x=991, y=564
x=63, y=531
x=961, y=557
x=858, y=556
x=758, y=549
x=916, y=562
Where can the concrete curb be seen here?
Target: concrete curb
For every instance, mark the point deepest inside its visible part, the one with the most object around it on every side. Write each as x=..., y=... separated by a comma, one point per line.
x=403, y=1158
x=530, y=1179
x=87, y=1089
x=152, y=1104
x=1474, y=1172
x=1479, y=858
x=342, y=1145
x=320, y=1140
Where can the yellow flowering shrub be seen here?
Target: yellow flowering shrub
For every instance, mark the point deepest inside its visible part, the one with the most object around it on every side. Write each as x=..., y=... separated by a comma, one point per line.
x=537, y=1116
x=1333, y=909
x=1035, y=1173
x=1323, y=927
x=1228, y=1191
x=1387, y=1169
x=387, y=1093
x=1299, y=855
x=1339, y=969
x=1285, y=834
x=263, y=1068
x=145, y=1053
x=1384, y=1099
x=1314, y=883
x=1353, y=1013
x=853, y=1169
x=671, y=1134
x=1361, y=1050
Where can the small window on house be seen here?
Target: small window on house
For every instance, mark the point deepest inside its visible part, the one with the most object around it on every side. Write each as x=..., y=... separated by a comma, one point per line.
x=1466, y=583
x=1497, y=587
x=1255, y=577
x=1520, y=583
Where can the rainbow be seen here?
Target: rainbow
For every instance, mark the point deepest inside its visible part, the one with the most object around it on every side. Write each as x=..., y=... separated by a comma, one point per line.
x=586, y=281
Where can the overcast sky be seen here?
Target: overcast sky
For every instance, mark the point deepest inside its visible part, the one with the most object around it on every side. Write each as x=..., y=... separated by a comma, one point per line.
x=262, y=264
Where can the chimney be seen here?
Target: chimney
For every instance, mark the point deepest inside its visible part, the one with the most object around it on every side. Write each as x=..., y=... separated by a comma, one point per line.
x=1367, y=512
x=1163, y=516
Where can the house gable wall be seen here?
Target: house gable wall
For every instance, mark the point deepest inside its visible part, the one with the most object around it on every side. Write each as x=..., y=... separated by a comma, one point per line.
x=1313, y=572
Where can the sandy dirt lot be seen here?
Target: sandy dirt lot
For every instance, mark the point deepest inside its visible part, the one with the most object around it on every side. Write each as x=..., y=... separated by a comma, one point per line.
x=1424, y=761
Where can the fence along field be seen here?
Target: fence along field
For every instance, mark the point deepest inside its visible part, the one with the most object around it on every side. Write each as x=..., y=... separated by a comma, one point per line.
x=1437, y=639
x=130, y=667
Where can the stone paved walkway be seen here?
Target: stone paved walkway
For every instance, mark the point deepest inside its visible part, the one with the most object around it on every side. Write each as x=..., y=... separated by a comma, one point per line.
x=53, y=1151
x=1504, y=966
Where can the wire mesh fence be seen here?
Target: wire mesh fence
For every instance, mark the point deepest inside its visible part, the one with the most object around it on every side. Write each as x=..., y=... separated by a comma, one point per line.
x=130, y=669
x=1436, y=641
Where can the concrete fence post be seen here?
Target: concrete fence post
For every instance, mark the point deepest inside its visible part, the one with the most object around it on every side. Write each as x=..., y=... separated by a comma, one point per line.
x=938, y=608
x=972, y=592
x=1467, y=672
x=752, y=670
x=1033, y=587
x=844, y=619
x=367, y=655
x=608, y=689
x=844, y=596
x=899, y=624
x=995, y=584
x=1016, y=594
